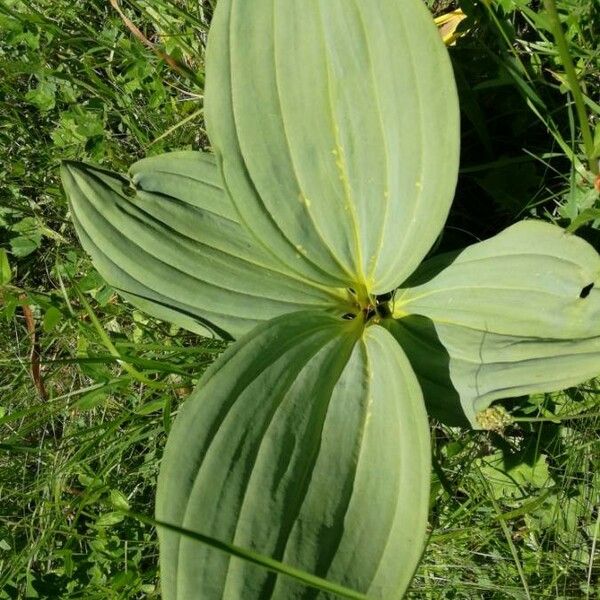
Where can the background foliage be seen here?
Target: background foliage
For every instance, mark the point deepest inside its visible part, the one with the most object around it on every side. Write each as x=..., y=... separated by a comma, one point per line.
x=514, y=514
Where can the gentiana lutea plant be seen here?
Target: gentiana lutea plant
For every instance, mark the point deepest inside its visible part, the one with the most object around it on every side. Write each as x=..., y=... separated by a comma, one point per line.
x=334, y=127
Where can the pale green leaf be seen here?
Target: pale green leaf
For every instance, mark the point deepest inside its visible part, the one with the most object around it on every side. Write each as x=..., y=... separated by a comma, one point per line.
x=28, y=239
x=514, y=315
x=510, y=479
x=306, y=442
x=168, y=240
x=119, y=500
x=109, y=519
x=52, y=318
x=336, y=123
x=43, y=96
x=5, y=270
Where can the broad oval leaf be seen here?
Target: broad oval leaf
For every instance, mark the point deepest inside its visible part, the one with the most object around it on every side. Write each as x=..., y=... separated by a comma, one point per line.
x=307, y=442
x=515, y=315
x=168, y=240
x=336, y=122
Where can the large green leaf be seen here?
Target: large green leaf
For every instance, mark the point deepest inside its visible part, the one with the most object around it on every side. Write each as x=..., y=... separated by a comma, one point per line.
x=430, y=361
x=168, y=239
x=336, y=122
x=516, y=314
x=308, y=442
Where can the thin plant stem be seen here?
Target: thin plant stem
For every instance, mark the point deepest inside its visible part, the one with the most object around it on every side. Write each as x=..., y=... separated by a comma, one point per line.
x=592, y=555
x=567, y=61
x=556, y=419
x=507, y=535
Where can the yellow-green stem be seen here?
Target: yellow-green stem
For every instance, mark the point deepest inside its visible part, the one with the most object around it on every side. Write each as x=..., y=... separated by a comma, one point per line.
x=567, y=61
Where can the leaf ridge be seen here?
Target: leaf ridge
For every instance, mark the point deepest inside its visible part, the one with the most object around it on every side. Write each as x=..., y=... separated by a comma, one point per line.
x=302, y=483
x=295, y=341
x=153, y=295
x=270, y=268
x=260, y=203
x=386, y=152
x=341, y=161
x=421, y=113
x=305, y=205
x=143, y=250
x=329, y=549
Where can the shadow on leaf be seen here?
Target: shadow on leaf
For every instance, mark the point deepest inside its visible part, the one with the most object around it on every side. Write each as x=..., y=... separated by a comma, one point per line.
x=431, y=363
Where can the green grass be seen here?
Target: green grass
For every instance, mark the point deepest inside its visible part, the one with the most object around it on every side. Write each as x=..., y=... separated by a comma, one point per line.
x=513, y=514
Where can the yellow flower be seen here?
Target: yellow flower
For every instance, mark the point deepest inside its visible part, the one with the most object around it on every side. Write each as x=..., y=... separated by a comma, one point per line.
x=448, y=23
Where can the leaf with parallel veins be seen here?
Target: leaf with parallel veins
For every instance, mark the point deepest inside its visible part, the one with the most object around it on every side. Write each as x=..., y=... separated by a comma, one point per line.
x=327, y=117
x=168, y=239
x=308, y=442
x=515, y=315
